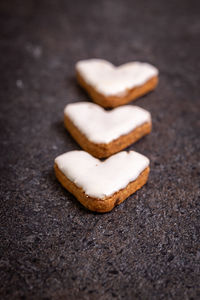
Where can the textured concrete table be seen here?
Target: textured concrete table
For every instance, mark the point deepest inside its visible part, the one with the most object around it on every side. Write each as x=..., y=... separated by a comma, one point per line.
x=51, y=247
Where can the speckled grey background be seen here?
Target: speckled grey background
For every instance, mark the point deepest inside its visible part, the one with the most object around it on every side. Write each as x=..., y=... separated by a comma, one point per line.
x=51, y=247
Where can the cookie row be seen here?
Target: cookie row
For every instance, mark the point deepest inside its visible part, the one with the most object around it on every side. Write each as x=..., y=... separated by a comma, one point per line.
x=98, y=185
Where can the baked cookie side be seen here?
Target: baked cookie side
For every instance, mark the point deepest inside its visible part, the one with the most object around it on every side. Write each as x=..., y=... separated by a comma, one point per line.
x=108, y=203
x=114, y=101
x=102, y=150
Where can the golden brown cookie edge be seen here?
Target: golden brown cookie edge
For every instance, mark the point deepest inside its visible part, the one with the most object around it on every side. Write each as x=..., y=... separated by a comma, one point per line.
x=105, y=150
x=114, y=101
x=108, y=203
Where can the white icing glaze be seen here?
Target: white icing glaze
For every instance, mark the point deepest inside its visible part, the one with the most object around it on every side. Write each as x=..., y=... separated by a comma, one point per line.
x=100, y=179
x=110, y=80
x=101, y=126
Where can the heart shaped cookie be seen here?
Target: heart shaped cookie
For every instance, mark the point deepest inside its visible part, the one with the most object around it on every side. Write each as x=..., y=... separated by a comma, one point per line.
x=111, y=86
x=102, y=132
x=98, y=185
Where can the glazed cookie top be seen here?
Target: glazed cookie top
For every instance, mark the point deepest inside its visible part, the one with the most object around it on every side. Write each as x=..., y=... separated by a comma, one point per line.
x=101, y=179
x=101, y=126
x=110, y=80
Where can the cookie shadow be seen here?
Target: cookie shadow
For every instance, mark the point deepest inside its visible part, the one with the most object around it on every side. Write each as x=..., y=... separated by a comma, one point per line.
x=64, y=135
x=77, y=89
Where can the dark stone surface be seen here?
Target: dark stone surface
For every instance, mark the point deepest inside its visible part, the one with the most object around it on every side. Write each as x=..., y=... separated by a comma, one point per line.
x=51, y=247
